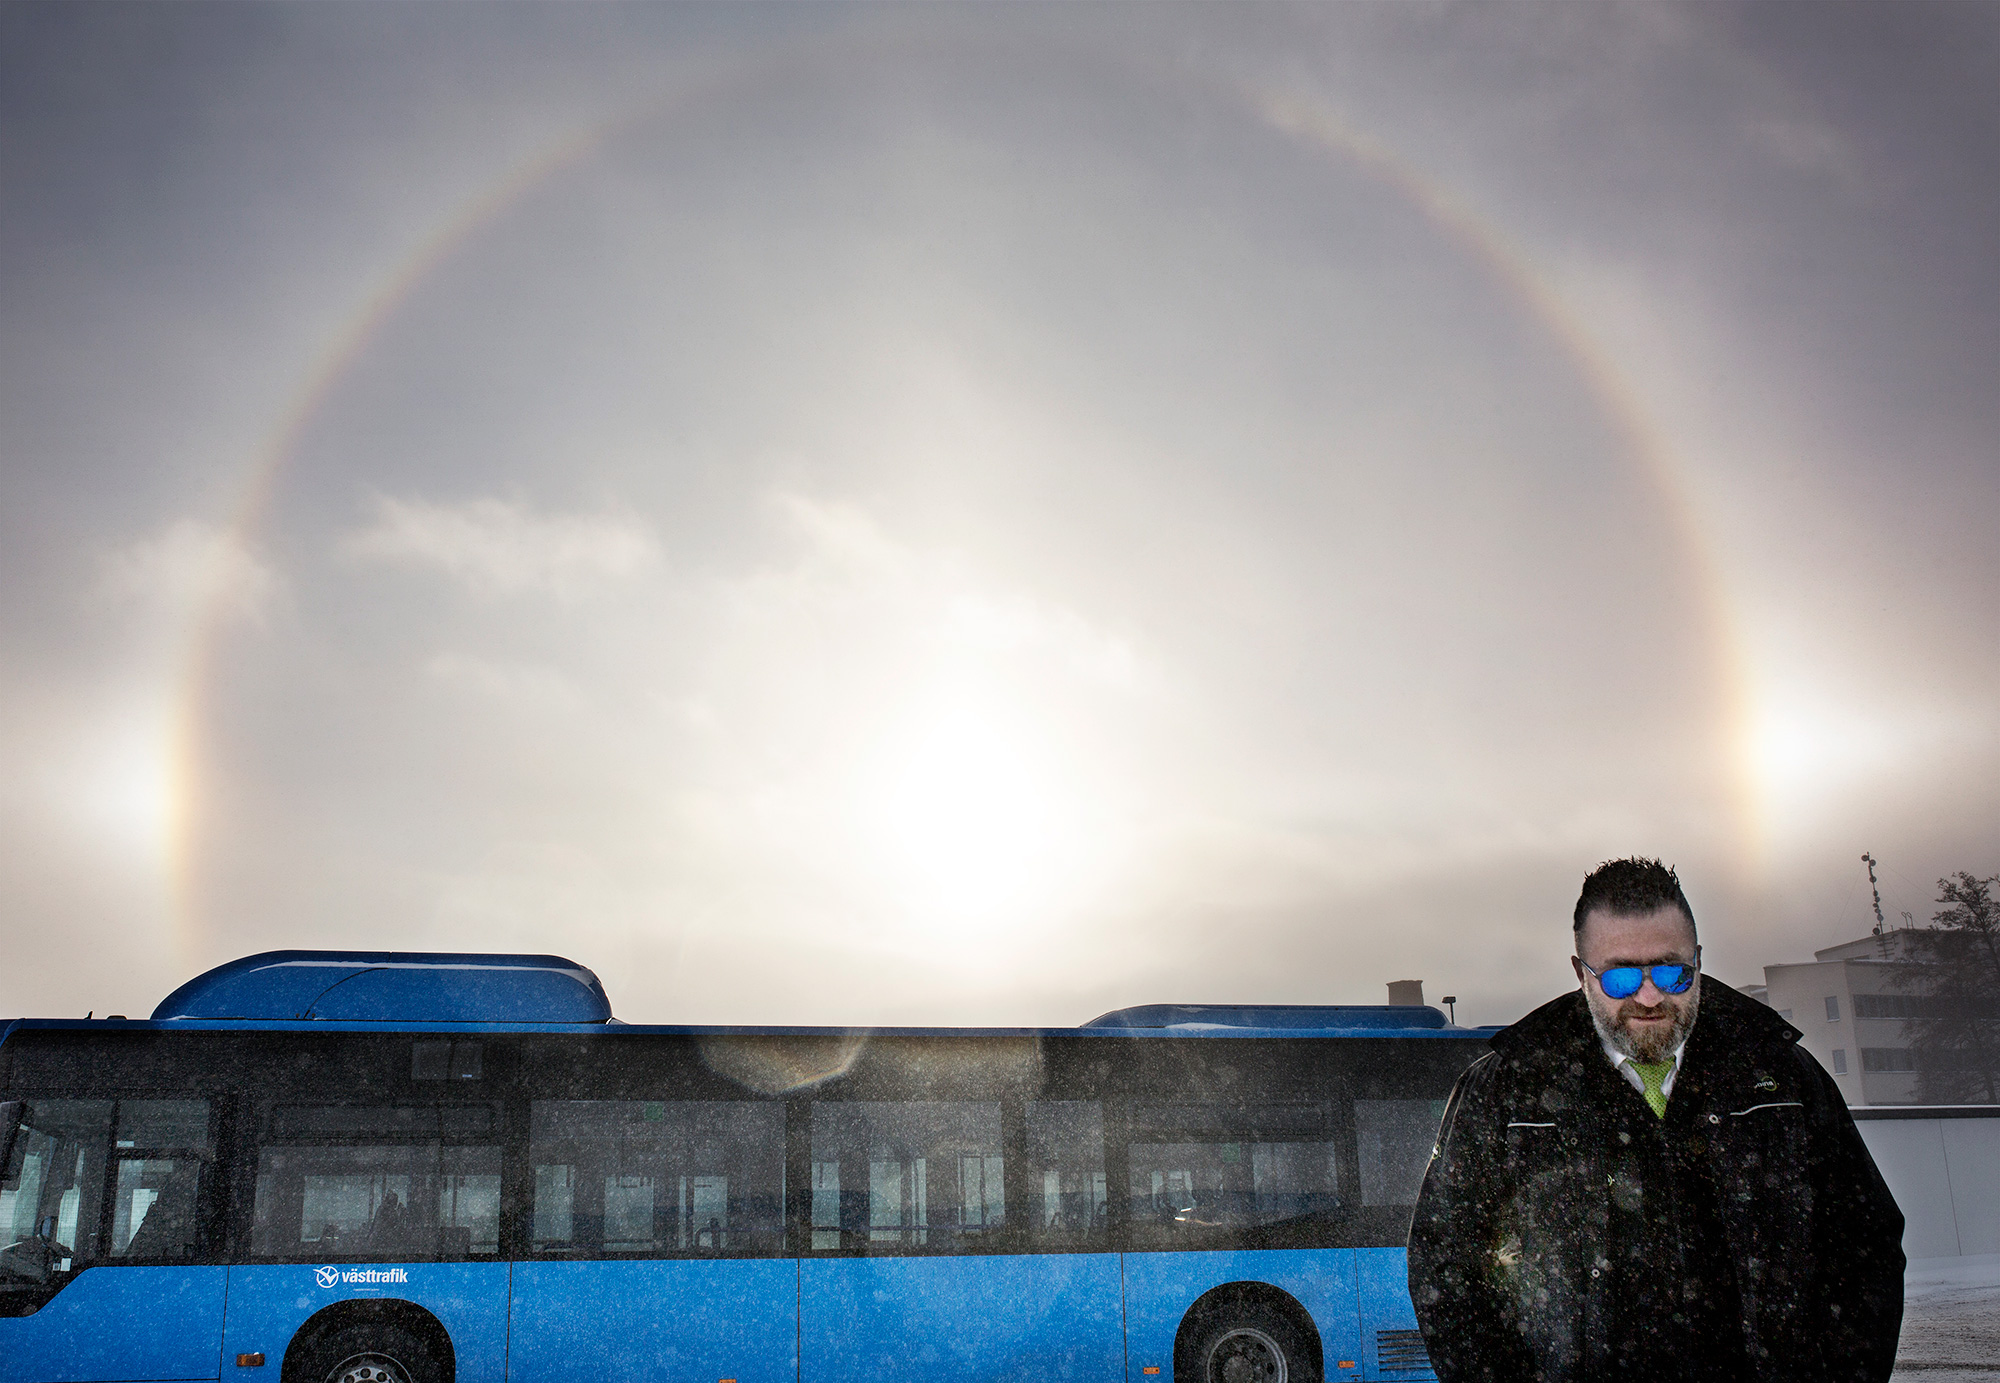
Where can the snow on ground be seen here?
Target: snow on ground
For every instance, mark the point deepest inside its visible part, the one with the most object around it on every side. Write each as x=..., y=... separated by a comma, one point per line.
x=1951, y=1321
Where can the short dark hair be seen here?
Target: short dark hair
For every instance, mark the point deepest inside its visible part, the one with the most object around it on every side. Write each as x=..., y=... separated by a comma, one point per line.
x=1631, y=888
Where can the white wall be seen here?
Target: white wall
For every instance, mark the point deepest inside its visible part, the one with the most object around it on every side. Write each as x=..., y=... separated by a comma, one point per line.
x=1945, y=1174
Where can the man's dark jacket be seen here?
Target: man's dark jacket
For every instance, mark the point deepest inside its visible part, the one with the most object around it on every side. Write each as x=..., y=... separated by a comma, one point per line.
x=1566, y=1232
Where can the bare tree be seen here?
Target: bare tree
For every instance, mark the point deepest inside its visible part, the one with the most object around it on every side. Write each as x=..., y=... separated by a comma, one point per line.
x=1955, y=1041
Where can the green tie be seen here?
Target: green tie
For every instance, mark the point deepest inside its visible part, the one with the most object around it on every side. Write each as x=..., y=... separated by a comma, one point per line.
x=1654, y=1076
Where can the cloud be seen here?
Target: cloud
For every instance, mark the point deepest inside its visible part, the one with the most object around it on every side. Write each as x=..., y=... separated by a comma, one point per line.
x=842, y=533
x=964, y=615
x=517, y=684
x=1807, y=145
x=190, y=564
x=502, y=547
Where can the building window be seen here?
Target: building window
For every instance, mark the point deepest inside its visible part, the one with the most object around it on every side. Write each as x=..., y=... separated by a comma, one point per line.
x=1840, y=1061
x=1887, y=1059
x=1832, y=1008
x=1891, y=1006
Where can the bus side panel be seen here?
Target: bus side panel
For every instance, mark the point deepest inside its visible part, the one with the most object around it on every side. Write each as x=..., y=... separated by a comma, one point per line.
x=118, y=1323
x=1387, y=1315
x=976, y=1318
x=690, y=1319
x=269, y=1302
x=1160, y=1287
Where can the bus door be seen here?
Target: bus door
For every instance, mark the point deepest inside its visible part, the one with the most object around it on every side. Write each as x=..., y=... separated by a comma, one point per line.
x=656, y=1249
x=104, y=1210
x=375, y=1222
x=932, y=1260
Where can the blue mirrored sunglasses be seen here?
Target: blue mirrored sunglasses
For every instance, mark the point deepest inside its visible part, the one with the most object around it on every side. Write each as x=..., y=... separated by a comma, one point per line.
x=1623, y=981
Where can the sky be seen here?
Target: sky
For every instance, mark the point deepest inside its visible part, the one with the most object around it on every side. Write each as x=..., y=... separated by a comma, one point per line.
x=989, y=514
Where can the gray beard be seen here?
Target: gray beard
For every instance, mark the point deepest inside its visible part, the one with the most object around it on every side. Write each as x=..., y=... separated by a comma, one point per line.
x=1650, y=1051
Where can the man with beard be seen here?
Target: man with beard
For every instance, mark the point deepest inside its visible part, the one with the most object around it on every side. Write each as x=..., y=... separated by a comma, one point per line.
x=1649, y=1178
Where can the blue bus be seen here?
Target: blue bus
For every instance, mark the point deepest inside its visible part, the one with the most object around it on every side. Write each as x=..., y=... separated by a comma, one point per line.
x=421, y=1168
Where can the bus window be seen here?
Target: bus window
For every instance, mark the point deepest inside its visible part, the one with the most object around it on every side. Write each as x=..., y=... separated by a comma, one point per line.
x=179, y=1124
x=52, y=1194
x=161, y=1150
x=1066, y=1168
x=1395, y=1138
x=154, y=1213
x=921, y=1177
x=354, y=1181
x=658, y=1178
x=1205, y=1174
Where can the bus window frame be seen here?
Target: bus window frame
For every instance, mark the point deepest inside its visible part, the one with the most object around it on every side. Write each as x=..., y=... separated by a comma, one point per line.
x=12, y=1112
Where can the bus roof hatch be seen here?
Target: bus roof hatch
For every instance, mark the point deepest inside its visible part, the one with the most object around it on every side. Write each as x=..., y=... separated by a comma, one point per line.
x=393, y=986
x=1316, y=1017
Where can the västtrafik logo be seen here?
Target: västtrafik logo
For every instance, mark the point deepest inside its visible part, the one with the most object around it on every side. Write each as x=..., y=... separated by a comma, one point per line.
x=335, y=1277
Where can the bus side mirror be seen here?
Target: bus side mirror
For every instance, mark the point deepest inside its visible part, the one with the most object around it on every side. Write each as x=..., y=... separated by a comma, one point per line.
x=12, y=1112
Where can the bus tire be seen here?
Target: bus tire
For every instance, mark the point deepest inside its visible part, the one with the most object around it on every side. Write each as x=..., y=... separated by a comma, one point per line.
x=1249, y=1344
x=374, y=1352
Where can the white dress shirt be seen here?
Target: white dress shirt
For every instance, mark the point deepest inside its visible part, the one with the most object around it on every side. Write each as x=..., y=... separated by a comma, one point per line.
x=1624, y=1065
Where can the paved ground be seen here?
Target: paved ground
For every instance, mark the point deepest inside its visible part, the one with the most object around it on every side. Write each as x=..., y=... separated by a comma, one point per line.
x=1951, y=1321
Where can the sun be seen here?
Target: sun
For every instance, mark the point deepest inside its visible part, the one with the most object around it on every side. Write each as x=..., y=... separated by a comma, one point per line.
x=977, y=820
x=1808, y=751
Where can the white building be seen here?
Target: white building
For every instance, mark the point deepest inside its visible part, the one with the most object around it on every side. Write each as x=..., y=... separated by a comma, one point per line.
x=1852, y=1014
x=1941, y=1162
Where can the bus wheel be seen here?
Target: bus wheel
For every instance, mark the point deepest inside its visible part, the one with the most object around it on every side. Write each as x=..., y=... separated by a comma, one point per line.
x=1249, y=1346
x=376, y=1353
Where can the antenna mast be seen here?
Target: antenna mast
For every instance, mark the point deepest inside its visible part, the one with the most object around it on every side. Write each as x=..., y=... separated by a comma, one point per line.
x=1874, y=889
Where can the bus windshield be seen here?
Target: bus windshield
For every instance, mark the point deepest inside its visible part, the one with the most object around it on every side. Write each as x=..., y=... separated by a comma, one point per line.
x=150, y=1155
x=39, y=1193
